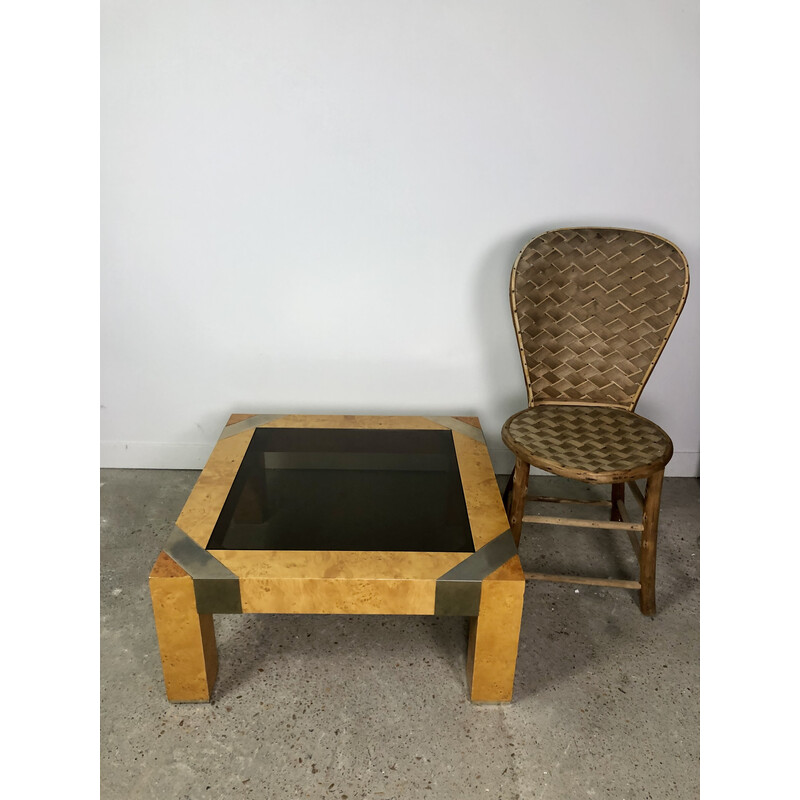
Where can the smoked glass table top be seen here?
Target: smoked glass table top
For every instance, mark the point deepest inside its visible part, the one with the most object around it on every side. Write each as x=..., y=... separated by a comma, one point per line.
x=346, y=490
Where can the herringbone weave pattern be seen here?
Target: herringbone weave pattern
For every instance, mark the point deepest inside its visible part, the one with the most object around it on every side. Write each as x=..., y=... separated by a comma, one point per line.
x=592, y=308
x=585, y=438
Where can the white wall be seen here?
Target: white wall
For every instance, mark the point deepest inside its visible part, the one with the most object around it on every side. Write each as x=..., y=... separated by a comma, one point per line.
x=314, y=206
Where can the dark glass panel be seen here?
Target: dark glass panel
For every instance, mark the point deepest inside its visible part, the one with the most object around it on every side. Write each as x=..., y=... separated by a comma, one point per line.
x=329, y=489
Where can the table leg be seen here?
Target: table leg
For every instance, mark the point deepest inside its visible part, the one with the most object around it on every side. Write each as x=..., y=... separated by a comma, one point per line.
x=493, y=641
x=185, y=638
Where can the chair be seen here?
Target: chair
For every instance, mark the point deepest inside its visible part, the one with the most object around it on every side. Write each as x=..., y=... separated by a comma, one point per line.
x=593, y=309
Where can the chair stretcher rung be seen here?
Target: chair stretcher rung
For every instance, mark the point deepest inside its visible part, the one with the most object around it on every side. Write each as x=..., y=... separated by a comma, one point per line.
x=612, y=582
x=584, y=523
x=539, y=499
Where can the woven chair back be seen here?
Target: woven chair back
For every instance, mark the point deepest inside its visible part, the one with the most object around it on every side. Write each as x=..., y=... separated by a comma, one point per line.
x=593, y=309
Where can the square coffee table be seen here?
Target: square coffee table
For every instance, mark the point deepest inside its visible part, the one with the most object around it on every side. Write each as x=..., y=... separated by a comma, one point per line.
x=341, y=515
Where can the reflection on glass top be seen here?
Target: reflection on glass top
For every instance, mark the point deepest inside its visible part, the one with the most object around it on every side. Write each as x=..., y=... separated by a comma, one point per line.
x=327, y=489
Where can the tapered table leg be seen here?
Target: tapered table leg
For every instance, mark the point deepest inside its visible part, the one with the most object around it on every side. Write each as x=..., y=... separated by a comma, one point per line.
x=494, y=639
x=185, y=638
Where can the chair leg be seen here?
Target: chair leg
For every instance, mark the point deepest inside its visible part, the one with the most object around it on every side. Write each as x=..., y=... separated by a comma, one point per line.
x=507, y=494
x=617, y=493
x=647, y=552
x=519, y=490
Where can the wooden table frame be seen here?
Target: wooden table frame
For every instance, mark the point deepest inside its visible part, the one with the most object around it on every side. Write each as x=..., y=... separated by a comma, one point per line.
x=188, y=583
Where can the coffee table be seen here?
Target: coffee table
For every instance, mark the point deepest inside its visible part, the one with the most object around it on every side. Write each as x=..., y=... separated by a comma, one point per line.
x=298, y=514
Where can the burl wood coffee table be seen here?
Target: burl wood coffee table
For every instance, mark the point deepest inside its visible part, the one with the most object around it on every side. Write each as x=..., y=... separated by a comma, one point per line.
x=341, y=515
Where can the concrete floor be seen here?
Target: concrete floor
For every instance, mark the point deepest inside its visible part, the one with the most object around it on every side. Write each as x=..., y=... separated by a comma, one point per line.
x=606, y=701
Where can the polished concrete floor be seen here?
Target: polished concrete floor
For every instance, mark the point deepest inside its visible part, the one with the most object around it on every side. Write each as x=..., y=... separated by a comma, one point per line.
x=606, y=701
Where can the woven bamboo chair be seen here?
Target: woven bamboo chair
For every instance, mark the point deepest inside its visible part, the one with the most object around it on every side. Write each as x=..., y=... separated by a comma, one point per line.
x=593, y=309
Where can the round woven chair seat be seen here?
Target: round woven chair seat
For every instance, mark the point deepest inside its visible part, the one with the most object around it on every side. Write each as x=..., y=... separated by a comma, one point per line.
x=596, y=444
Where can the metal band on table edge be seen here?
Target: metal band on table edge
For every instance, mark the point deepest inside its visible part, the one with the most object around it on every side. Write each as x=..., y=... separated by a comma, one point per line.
x=458, y=591
x=247, y=424
x=460, y=427
x=216, y=588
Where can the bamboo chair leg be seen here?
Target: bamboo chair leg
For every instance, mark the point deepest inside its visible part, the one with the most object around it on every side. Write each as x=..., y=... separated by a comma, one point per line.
x=519, y=490
x=647, y=558
x=507, y=494
x=617, y=493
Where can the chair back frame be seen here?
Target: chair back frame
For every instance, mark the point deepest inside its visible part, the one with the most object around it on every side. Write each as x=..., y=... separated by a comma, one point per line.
x=593, y=309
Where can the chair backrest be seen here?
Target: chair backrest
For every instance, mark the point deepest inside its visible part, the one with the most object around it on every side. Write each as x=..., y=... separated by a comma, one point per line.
x=593, y=309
